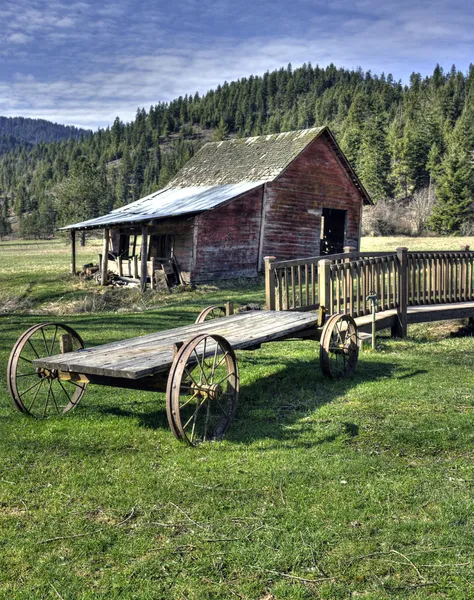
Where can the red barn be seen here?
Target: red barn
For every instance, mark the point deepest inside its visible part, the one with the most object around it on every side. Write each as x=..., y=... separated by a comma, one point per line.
x=288, y=195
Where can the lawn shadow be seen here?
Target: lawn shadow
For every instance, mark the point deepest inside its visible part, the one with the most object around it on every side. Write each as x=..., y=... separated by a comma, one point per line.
x=269, y=406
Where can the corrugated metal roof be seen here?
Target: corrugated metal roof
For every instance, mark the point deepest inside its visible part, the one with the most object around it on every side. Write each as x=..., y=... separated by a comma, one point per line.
x=260, y=158
x=170, y=202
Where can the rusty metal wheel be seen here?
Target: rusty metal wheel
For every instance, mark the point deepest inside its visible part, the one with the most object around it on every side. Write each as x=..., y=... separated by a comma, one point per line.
x=211, y=312
x=202, y=389
x=338, y=347
x=36, y=391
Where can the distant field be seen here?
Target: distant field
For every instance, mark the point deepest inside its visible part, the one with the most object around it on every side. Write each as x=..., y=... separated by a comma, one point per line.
x=34, y=275
x=415, y=243
x=361, y=488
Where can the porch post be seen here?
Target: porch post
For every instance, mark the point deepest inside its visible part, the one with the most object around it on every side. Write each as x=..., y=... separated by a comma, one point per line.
x=270, y=303
x=105, y=258
x=73, y=252
x=144, y=253
x=401, y=325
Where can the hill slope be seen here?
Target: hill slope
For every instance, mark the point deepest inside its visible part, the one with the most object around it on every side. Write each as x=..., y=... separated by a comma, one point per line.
x=400, y=138
x=37, y=130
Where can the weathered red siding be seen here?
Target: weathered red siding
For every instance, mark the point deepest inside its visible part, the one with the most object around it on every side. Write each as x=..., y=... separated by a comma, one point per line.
x=294, y=201
x=227, y=239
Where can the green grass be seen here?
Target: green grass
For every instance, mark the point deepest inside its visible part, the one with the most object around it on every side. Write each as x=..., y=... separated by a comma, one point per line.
x=359, y=488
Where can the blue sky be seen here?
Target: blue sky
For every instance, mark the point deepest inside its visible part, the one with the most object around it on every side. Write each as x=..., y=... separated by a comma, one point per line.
x=83, y=63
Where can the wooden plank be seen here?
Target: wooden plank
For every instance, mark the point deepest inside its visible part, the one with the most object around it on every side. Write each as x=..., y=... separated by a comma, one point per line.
x=139, y=357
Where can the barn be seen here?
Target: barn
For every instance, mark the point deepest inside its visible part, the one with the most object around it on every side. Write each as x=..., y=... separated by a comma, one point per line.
x=288, y=195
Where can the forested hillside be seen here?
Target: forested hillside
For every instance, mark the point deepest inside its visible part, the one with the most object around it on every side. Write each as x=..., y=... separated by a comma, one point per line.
x=405, y=141
x=37, y=130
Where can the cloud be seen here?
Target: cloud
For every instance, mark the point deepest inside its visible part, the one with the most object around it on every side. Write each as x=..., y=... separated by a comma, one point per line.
x=19, y=38
x=93, y=61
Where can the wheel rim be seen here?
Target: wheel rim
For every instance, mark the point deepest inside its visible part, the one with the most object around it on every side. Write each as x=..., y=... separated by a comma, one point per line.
x=203, y=388
x=39, y=392
x=210, y=313
x=339, y=350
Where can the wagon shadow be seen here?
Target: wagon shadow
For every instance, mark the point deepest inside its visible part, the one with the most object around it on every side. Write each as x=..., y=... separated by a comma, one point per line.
x=277, y=406
x=280, y=406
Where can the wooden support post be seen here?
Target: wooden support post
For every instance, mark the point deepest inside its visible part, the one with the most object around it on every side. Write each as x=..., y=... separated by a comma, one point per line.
x=269, y=283
x=324, y=280
x=229, y=308
x=119, y=266
x=73, y=252
x=105, y=258
x=401, y=326
x=144, y=258
x=135, y=267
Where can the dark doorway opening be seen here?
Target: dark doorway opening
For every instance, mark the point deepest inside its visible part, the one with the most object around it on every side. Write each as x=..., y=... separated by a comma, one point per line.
x=333, y=228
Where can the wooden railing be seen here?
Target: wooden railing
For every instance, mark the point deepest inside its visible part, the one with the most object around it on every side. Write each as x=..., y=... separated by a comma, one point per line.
x=440, y=277
x=344, y=287
x=293, y=284
x=341, y=283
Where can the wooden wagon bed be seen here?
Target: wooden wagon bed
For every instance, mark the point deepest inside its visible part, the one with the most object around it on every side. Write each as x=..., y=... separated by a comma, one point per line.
x=148, y=355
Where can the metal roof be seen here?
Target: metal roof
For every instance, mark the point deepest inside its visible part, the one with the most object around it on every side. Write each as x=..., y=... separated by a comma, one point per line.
x=170, y=202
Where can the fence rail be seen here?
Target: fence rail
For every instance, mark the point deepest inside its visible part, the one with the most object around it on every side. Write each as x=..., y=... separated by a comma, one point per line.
x=342, y=282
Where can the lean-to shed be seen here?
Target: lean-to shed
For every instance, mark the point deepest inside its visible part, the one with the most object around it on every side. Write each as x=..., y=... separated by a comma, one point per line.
x=288, y=195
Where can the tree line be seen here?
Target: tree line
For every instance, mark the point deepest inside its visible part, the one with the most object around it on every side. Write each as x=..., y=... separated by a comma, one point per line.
x=405, y=141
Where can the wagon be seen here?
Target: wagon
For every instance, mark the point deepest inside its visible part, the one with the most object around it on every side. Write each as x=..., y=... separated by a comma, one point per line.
x=196, y=365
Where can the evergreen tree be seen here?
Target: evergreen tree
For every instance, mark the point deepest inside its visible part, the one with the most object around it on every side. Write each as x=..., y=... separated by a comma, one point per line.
x=455, y=196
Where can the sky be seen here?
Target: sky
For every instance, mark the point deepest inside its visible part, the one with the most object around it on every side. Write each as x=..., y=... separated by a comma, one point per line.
x=84, y=63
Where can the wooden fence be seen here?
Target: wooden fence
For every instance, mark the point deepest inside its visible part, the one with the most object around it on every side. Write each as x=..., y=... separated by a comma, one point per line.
x=342, y=282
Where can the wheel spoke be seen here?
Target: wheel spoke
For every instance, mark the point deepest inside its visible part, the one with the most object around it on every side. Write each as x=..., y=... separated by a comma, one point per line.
x=65, y=391
x=189, y=400
x=54, y=398
x=202, y=373
x=191, y=377
x=220, y=406
x=194, y=415
x=47, y=398
x=35, y=396
x=30, y=388
x=33, y=348
x=44, y=340
x=224, y=378
x=222, y=360
x=26, y=374
x=54, y=339
x=26, y=359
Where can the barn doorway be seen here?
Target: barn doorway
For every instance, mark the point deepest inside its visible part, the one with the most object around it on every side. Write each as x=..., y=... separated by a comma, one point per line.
x=333, y=230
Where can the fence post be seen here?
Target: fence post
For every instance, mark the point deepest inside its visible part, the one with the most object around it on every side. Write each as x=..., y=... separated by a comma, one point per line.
x=324, y=282
x=401, y=326
x=105, y=258
x=270, y=303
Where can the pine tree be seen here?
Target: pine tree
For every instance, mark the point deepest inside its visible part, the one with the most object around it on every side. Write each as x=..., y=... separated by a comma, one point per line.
x=455, y=193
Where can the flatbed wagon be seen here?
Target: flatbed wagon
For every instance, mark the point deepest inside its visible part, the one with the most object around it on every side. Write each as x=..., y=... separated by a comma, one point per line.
x=195, y=365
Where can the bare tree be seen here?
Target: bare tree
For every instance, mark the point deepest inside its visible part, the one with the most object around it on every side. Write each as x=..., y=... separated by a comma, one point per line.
x=420, y=208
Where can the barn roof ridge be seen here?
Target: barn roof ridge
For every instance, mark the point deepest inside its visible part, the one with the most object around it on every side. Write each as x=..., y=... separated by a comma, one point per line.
x=256, y=158
x=221, y=171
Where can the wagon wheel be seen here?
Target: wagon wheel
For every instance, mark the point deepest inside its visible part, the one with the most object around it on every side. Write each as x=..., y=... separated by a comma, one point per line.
x=339, y=350
x=202, y=390
x=35, y=391
x=211, y=312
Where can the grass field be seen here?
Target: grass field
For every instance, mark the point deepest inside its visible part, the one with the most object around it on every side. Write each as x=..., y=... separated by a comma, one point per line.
x=361, y=488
